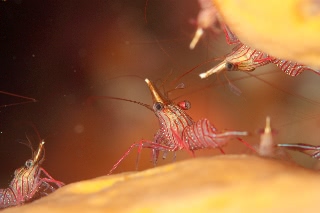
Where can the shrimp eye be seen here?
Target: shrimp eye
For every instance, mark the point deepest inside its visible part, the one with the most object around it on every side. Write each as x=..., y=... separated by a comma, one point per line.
x=230, y=66
x=185, y=105
x=29, y=163
x=157, y=106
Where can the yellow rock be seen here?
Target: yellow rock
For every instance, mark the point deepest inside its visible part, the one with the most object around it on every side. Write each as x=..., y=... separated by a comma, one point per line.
x=229, y=183
x=287, y=29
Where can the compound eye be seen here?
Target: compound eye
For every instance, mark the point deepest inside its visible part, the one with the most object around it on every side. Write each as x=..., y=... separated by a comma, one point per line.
x=157, y=106
x=29, y=163
x=230, y=66
x=185, y=105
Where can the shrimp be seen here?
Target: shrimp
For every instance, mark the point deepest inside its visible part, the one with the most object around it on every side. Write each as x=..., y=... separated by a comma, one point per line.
x=29, y=181
x=245, y=58
x=178, y=131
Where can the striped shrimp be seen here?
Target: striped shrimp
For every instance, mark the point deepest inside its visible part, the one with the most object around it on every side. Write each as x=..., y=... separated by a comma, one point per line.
x=178, y=131
x=29, y=181
x=245, y=58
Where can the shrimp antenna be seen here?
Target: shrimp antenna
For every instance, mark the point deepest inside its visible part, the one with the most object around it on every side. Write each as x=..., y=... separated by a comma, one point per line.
x=178, y=87
x=123, y=76
x=19, y=96
x=284, y=91
x=120, y=99
x=28, y=144
x=192, y=69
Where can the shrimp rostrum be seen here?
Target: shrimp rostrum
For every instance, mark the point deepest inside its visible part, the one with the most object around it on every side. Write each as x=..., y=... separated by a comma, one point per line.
x=178, y=131
x=29, y=181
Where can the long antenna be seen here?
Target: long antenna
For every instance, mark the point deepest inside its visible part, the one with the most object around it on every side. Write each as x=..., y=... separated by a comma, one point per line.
x=19, y=96
x=120, y=99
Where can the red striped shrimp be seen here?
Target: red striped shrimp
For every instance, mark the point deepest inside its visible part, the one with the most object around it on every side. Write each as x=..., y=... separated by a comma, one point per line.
x=29, y=181
x=178, y=131
x=245, y=58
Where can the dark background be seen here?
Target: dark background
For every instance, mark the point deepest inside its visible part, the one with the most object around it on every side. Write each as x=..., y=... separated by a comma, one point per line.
x=63, y=52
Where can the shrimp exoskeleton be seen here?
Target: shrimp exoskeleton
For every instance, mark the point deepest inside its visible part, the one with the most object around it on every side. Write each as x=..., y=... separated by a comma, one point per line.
x=29, y=181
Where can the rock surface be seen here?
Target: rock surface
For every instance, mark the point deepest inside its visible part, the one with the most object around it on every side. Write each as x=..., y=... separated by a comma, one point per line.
x=229, y=183
x=287, y=29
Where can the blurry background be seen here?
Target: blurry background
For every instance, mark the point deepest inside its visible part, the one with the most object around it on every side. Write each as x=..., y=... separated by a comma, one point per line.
x=63, y=52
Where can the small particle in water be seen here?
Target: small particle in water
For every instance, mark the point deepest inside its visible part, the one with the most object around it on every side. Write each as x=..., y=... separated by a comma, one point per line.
x=79, y=128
